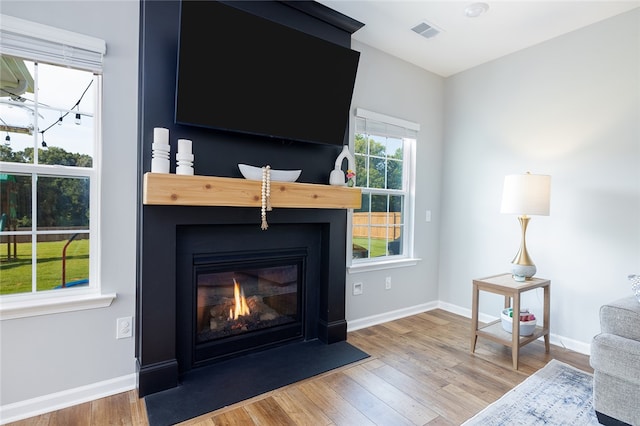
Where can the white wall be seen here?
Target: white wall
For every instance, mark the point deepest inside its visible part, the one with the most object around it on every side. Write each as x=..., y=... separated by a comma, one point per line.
x=390, y=86
x=569, y=107
x=50, y=356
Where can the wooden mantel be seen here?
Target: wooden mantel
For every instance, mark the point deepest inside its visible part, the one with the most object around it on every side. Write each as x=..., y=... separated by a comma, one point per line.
x=182, y=190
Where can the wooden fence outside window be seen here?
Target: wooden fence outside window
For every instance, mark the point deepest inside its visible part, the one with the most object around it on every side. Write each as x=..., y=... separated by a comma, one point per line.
x=378, y=226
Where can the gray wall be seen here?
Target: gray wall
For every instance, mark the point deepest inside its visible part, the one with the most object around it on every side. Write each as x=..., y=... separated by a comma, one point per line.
x=396, y=88
x=569, y=107
x=46, y=354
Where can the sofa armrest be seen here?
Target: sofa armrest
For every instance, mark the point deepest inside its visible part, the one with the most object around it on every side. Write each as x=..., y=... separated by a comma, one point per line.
x=622, y=318
x=616, y=356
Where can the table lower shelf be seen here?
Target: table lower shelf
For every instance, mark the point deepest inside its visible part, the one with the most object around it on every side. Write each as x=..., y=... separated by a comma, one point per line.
x=494, y=331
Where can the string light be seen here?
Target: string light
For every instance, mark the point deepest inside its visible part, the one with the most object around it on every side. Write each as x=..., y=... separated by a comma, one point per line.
x=7, y=138
x=59, y=121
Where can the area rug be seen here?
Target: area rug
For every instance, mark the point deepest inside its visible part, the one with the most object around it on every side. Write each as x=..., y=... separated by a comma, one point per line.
x=206, y=389
x=557, y=394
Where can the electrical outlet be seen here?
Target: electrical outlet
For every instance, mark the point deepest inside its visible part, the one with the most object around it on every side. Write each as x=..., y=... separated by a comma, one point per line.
x=387, y=283
x=357, y=289
x=124, y=327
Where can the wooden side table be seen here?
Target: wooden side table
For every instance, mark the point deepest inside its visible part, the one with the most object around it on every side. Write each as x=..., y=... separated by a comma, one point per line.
x=504, y=284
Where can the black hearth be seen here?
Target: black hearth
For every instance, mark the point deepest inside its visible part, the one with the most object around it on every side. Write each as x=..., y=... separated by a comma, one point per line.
x=210, y=388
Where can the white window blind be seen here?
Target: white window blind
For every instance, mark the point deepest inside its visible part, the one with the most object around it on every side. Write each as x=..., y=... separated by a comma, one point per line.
x=38, y=42
x=368, y=122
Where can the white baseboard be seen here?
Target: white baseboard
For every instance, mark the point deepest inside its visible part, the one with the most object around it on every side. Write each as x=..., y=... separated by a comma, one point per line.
x=574, y=345
x=67, y=398
x=554, y=339
x=389, y=316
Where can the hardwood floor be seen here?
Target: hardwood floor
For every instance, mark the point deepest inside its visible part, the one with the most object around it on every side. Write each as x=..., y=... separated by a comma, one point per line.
x=420, y=373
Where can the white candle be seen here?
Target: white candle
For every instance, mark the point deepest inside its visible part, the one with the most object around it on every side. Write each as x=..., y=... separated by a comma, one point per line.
x=161, y=135
x=159, y=165
x=184, y=146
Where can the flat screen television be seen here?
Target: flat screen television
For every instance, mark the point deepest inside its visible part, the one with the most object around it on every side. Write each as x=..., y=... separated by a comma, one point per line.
x=243, y=73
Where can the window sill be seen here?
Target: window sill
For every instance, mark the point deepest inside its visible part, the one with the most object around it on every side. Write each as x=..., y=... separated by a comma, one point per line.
x=378, y=266
x=53, y=305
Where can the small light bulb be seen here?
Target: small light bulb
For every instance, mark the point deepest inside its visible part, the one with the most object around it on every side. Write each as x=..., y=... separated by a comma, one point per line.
x=7, y=138
x=44, y=144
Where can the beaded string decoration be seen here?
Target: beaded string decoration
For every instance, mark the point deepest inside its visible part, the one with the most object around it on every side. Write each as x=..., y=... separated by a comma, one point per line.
x=266, y=195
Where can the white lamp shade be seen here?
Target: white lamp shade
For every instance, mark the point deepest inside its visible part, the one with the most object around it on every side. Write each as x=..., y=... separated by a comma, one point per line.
x=526, y=194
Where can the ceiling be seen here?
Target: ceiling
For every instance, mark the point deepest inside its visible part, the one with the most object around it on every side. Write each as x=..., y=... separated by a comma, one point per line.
x=463, y=42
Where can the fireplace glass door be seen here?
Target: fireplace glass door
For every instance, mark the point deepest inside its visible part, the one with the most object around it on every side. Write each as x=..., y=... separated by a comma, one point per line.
x=247, y=302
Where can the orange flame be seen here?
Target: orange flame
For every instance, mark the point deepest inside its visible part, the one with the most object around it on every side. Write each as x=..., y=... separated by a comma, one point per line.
x=241, y=307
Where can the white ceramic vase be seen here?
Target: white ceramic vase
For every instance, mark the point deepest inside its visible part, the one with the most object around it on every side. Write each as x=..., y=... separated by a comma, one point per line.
x=337, y=176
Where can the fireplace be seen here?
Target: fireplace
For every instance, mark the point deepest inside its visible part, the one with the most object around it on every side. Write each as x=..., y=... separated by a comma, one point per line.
x=233, y=300
x=182, y=243
x=241, y=289
x=246, y=301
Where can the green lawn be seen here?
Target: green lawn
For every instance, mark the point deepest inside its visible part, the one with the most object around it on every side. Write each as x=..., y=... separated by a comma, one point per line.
x=15, y=274
x=378, y=246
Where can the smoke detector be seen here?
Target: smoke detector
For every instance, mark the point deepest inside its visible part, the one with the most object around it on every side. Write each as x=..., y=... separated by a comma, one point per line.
x=475, y=9
x=426, y=30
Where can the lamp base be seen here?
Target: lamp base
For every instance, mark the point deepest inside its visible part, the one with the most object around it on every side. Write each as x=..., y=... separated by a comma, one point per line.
x=522, y=272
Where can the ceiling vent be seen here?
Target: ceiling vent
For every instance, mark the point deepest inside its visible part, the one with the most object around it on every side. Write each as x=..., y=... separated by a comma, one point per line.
x=426, y=30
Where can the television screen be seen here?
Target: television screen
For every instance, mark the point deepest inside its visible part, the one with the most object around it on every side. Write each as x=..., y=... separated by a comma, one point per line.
x=240, y=72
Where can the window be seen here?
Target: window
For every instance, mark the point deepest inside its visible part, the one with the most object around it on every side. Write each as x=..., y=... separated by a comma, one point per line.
x=382, y=227
x=49, y=123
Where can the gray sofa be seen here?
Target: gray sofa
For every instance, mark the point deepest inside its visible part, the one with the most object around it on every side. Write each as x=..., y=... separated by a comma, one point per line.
x=615, y=358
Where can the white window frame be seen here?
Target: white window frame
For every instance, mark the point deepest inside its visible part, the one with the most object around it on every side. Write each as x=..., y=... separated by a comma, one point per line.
x=45, y=44
x=408, y=131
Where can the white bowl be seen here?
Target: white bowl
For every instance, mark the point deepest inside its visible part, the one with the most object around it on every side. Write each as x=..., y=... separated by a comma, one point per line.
x=255, y=173
x=526, y=327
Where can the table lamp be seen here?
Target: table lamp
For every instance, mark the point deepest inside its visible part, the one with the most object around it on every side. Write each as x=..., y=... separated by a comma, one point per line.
x=525, y=195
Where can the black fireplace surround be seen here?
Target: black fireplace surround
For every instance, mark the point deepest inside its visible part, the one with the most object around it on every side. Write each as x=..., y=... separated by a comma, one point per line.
x=160, y=335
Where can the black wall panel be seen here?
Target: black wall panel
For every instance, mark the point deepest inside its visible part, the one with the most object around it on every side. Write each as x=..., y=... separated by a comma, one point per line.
x=217, y=154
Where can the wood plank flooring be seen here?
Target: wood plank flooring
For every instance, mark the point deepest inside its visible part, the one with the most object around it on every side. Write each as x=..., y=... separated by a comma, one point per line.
x=420, y=373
